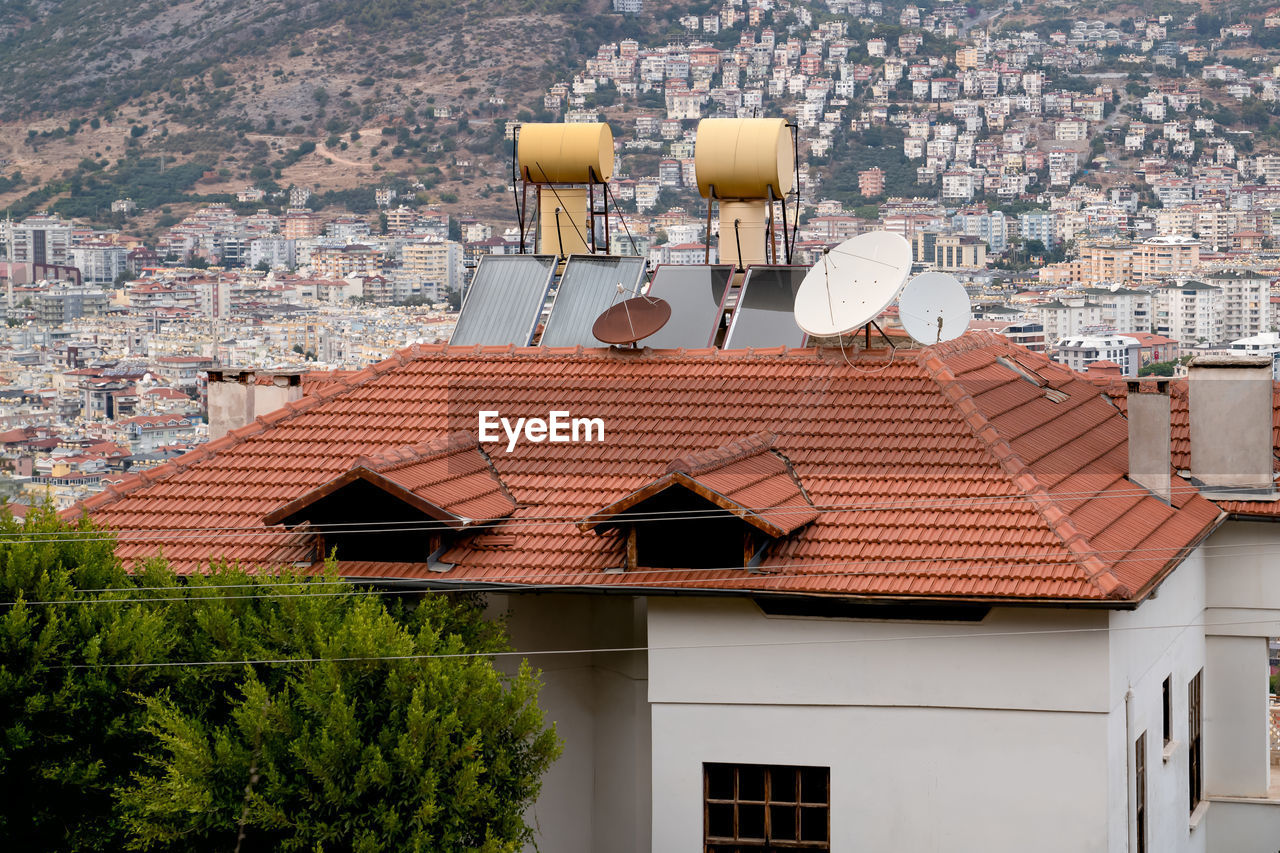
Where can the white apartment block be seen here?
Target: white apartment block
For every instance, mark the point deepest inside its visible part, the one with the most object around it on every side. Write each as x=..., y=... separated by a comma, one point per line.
x=1068, y=317
x=1191, y=313
x=99, y=263
x=41, y=239
x=1125, y=310
x=1247, y=302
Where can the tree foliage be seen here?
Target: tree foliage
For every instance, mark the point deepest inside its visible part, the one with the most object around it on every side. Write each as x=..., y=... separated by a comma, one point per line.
x=389, y=730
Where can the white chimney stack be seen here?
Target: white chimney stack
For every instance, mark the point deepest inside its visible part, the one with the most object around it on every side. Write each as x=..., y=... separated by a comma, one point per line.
x=1230, y=414
x=1150, y=437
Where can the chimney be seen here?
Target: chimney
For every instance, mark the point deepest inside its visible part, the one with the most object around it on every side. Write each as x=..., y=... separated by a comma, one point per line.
x=1231, y=422
x=236, y=397
x=1149, y=437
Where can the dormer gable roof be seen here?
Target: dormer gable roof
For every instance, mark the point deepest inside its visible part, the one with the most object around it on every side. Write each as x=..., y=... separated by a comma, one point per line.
x=745, y=478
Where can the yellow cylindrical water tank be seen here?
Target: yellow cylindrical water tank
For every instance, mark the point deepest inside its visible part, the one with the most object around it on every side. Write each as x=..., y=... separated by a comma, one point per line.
x=565, y=153
x=744, y=157
x=743, y=227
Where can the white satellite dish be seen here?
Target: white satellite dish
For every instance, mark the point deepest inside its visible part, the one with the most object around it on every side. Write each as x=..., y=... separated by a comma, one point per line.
x=934, y=307
x=851, y=284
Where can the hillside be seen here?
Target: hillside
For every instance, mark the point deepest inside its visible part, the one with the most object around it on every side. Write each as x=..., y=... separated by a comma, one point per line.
x=332, y=95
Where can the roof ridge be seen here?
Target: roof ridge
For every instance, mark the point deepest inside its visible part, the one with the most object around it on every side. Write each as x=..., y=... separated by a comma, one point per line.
x=410, y=454
x=705, y=461
x=610, y=352
x=1094, y=568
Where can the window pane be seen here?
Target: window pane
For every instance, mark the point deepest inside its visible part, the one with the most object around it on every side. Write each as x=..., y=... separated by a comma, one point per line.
x=782, y=823
x=813, y=784
x=751, y=822
x=719, y=781
x=782, y=785
x=719, y=820
x=813, y=824
x=751, y=783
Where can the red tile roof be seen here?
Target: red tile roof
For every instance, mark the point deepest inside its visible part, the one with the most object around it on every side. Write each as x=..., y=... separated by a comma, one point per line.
x=973, y=469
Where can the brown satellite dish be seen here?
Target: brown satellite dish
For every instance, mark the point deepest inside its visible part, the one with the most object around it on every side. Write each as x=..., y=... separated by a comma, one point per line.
x=632, y=320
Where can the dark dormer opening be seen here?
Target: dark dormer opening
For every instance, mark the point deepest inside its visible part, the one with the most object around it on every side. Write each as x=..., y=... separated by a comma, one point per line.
x=362, y=521
x=716, y=509
x=680, y=529
x=403, y=505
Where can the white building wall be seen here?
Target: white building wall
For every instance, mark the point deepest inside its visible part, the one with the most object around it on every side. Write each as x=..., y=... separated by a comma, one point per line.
x=1161, y=638
x=1242, y=592
x=595, y=797
x=996, y=734
x=908, y=779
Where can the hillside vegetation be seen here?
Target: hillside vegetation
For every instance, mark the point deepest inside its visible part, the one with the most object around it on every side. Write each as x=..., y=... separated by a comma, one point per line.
x=100, y=100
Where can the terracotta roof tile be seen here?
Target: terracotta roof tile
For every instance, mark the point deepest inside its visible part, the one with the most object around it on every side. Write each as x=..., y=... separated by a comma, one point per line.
x=943, y=472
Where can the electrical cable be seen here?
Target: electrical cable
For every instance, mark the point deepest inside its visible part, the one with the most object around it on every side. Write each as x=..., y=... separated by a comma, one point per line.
x=542, y=579
x=669, y=648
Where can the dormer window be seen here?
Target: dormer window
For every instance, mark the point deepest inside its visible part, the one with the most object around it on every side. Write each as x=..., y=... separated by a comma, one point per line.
x=710, y=510
x=406, y=504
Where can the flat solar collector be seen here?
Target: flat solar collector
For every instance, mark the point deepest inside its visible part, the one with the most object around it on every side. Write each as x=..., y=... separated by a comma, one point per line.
x=765, y=313
x=696, y=296
x=504, y=301
x=587, y=289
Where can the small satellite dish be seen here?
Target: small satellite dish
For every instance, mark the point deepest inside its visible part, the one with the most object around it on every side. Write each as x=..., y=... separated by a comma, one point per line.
x=631, y=320
x=933, y=308
x=851, y=284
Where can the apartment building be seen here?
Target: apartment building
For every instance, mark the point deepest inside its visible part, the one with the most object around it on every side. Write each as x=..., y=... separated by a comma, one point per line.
x=41, y=239
x=1247, y=302
x=1067, y=317
x=1192, y=312
x=436, y=265
x=1165, y=257
x=1124, y=309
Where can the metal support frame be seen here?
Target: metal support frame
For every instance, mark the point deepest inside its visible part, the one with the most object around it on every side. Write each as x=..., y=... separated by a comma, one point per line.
x=706, y=243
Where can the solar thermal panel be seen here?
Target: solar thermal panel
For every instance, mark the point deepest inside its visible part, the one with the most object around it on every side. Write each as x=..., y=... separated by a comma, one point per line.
x=588, y=287
x=505, y=300
x=695, y=293
x=765, y=315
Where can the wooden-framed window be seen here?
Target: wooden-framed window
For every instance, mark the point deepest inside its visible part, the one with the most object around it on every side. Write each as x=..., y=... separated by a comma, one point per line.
x=1167, y=709
x=1140, y=792
x=1195, y=767
x=748, y=807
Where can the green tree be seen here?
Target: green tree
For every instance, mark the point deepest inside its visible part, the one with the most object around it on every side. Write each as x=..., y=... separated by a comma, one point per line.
x=416, y=753
x=386, y=727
